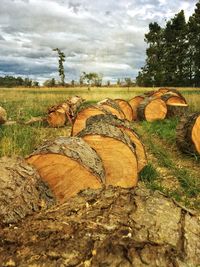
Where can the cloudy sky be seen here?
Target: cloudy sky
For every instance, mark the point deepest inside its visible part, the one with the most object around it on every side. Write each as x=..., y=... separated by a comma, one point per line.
x=95, y=35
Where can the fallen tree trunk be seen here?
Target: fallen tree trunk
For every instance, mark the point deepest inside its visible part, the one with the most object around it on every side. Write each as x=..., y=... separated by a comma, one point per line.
x=176, y=110
x=173, y=99
x=134, y=103
x=152, y=109
x=68, y=165
x=188, y=134
x=3, y=115
x=126, y=108
x=126, y=128
x=112, y=107
x=116, y=151
x=80, y=119
x=21, y=191
x=109, y=227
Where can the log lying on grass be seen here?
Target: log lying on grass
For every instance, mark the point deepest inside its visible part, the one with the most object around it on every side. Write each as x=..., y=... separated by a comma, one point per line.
x=109, y=227
x=112, y=107
x=68, y=165
x=134, y=103
x=126, y=128
x=126, y=108
x=152, y=109
x=80, y=120
x=173, y=99
x=21, y=191
x=188, y=134
x=116, y=151
x=176, y=110
x=3, y=115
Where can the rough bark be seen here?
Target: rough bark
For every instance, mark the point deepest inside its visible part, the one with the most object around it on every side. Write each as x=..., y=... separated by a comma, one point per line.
x=81, y=117
x=116, y=151
x=134, y=103
x=176, y=110
x=3, y=115
x=188, y=133
x=152, y=109
x=68, y=165
x=109, y=227
x=126, y=108
x=21, y=191
x=112, y=107
x=126, y=128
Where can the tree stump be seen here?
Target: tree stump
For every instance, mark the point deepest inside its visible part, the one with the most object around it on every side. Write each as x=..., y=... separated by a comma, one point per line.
x=126, y=128
x=110, y=227
x=188, y=134
x=68, y=165
x=21, y=191
x=126, y=108
x=112, y=107
x=3, y=115
x=134, y=103
x=152, y=109
x=116, y=151
x=81, y=117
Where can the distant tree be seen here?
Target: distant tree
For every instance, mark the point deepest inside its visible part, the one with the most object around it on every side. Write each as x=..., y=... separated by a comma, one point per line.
x=118, y=82
x=50, y=83
x=92, y=78
x=35, y=83
x=73, y=83
x=27, y=82
x=108, y=83
x=61, y=70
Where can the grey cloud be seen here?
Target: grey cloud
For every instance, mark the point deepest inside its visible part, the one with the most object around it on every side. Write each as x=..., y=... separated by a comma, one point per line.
x=96, y=36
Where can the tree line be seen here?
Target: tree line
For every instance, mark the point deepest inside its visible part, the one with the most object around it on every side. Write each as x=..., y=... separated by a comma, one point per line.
x=11, y=81
x=173, y=53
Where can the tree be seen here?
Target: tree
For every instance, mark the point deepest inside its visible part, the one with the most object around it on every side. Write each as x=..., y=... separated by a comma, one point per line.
x=50, y=83
x=91, y=78
x=194, y=48
x=61, y=70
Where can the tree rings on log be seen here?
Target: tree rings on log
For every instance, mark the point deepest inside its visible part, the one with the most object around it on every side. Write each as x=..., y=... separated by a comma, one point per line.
x=134, y=103
x=68, y=165
x=188, y=134
x=126, y=108
x=126, y=128
x=152, y=109
x=3, y=115
x=116, y=151
x=57, y=117
x=176, y=110
x=173, y=99
x=21, y=191
x=80, y=120
x=112, y=107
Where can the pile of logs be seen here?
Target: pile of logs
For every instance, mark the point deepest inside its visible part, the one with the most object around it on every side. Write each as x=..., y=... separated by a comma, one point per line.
x=158, y=105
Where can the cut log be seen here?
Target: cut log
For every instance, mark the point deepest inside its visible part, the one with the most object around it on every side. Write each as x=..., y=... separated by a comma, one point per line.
x=59, y=115
x=173, y=99
x=126, y=108
x=112, y=107
x=188, y=134
x=134, y=103
x=152, y=109
x=176, y=110
x=116, y=151
x=113, y=227
x=21, y=191
x=3, y=115
x=80, y=120
x=126, y=128
x=68, y=165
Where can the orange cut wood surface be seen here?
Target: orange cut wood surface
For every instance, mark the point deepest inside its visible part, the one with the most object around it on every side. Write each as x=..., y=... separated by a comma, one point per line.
x=175, y=100
x=155, y=110
x=81, y=118
x=66, y=177
x=196, y=134
x=119, y=161
x=126, y=108
x=113, y=111
x=56, y=118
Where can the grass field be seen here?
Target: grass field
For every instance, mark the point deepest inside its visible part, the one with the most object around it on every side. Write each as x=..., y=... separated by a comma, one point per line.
x=168, y=170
